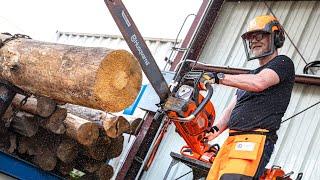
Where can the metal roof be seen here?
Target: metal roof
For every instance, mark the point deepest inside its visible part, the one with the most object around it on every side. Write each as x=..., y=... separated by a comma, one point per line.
x=298, y=147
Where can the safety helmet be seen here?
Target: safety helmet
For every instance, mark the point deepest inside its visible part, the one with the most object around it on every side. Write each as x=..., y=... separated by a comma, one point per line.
x=264, y=24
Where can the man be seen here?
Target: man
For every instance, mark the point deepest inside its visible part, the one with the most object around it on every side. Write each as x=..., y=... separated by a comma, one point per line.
x=254, y=114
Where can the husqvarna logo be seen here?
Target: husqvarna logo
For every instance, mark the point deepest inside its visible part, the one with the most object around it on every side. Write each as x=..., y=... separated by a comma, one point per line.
x=140, y=51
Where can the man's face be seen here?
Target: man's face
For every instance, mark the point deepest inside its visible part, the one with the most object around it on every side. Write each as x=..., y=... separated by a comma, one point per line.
x=259, y=43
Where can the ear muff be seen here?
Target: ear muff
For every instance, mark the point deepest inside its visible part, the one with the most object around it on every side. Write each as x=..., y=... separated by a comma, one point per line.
x=279, y=37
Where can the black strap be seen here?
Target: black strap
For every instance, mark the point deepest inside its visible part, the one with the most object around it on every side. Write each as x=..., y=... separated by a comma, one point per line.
x=271, y=135
x=250, y=132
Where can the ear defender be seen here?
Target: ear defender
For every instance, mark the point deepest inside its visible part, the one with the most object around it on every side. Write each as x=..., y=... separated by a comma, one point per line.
x=279, y=37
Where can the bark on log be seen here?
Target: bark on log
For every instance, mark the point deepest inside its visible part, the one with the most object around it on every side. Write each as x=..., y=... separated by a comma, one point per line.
x=67, y=151
x=40, y=106
x=85, y=112
x=55, y=123
x=94, y=77
x=81, y=130
x=115, y=126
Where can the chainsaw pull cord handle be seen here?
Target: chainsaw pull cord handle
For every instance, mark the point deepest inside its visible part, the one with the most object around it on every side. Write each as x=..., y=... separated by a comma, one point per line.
x=201, y=106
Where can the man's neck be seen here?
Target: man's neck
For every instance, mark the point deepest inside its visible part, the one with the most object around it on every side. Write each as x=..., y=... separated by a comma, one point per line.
x=267, y=59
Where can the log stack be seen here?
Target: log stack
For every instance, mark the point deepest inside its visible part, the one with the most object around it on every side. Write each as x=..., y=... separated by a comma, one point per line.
x=64, y=124
x=63, y=141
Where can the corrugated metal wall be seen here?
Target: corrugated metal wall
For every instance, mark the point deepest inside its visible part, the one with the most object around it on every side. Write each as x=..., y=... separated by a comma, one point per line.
x=298, y=147
x=160, y=48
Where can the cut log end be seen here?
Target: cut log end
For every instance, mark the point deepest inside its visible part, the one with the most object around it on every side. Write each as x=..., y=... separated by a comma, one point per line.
x=116, y=126
x=45, y=106
x=125, y=79
x=55, y=122
x=88, y=133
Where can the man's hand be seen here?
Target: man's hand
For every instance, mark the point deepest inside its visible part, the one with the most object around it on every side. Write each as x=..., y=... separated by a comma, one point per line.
x=210, y=77
x=213, y=133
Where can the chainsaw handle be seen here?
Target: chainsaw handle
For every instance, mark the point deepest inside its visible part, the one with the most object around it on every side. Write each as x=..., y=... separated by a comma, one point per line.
x=201, y=105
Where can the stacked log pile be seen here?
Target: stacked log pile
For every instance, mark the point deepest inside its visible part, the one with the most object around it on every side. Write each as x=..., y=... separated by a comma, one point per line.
x=64, y=124
x=69, y=137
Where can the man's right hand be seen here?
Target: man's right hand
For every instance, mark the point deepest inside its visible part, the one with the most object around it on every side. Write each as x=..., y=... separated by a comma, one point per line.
x=213, y=133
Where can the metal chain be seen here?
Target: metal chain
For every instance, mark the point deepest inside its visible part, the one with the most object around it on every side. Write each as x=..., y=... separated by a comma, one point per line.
x=16, y=110
x=13, y=37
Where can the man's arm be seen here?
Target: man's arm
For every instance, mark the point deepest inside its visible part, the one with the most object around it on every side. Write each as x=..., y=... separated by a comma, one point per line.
x=252, y=82
x=223, y=120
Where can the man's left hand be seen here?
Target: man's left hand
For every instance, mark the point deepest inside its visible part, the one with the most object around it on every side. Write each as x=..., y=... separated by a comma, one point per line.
x=210, y=77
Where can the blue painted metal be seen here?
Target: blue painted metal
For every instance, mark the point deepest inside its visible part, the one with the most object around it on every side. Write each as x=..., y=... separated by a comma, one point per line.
x=130, y=110
x=21, y=169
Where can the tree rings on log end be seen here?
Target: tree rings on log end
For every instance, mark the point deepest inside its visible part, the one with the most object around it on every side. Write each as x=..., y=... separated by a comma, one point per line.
x=122, y=73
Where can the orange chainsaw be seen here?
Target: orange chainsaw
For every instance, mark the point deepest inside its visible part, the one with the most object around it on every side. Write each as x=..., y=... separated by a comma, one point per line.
x=193, y=115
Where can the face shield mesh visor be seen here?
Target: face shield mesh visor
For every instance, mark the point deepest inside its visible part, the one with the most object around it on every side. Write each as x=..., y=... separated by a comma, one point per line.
x=258, y=45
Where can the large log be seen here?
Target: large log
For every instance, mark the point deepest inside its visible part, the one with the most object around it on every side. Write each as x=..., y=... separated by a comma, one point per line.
x=95, y=77
x=81, y=130
x=41, y=106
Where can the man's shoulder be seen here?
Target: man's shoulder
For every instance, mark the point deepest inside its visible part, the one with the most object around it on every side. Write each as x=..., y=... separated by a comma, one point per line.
x=283, y=66
x=283, y=58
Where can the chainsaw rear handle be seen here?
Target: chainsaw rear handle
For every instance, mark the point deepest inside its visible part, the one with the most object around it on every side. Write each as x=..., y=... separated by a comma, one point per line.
x=201, y=105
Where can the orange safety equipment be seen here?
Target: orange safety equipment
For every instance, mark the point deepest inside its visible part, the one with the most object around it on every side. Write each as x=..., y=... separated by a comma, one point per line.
x=264, y=25
x=239, y=156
